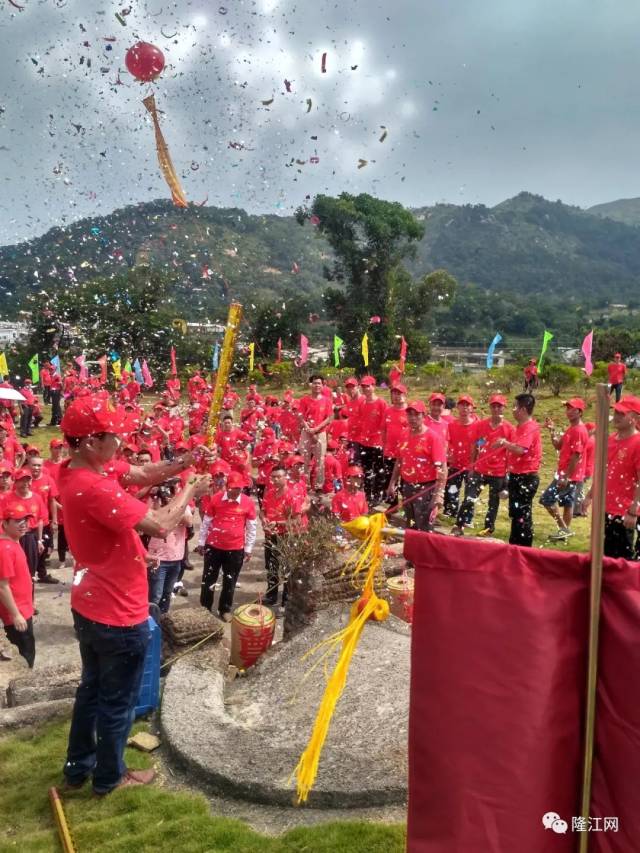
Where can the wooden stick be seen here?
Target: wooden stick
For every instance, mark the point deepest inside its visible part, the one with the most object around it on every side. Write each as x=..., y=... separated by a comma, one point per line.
x=61, y=821
x=598, y=491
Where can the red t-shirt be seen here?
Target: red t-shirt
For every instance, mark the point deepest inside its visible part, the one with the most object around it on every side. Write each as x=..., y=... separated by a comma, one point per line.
x=34, y=507
x=264, y=456
x=290, y=425
x=110, y=577
x=616, y=371
x=353, y=409
x=396, y=429
x=420, y=456
x=491, y=461
x=574, y=441
x=347, y=506
x=46, y=487
x=527, y=435
x=590, y=456
x=115, y=469
x=315, y=409
x=228, y=520
x=623, y=472
x=14, y=568
x=332, y=472
x=441, y=428
x=337, y=429
x=227, y=442
x=461, y=440
x=371, y=418
x=280, y=508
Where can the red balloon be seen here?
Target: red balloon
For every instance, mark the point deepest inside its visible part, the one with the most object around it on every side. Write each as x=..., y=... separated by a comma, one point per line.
x=145, y=61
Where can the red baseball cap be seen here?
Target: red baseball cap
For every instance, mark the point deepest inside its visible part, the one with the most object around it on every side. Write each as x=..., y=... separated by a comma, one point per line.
x=268, y=432
x=437, y=396
x=368, y=380
x=628, y=404
x=617, y=355
x=590, y=425
x=219, y=467
x=332, y=445
x=295, y=460
x=576, y=403
x=31, y=448
x=465, y=398
x=350, y=382
x=22, y=474
x=235, y=480
x=354, y=471
x=398, y=386
x=15, y=510
x=417, y=406
x=287, y=447
x=5, y=468
x=498, y=398
x=56, y=442
x=89, y=416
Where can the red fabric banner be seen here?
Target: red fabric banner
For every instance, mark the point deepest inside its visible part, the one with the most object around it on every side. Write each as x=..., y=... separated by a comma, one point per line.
x=498, y=675
x=174, y=369
x=102, y=361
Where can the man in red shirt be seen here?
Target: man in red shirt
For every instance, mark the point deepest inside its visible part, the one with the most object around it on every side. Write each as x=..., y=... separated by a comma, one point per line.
x=13, y=452
x=279, y=514
x=32, y=542
x=372, y=413
x=265, y=455
x=489, y=463
x=459, y=452
x=589, y=464
x=26, y=409
x=571, y=467
x=315, y=411
x=45, y=486
x=56, y=394
x=16, y=596
x=51, y=467
x=617, y=371
x=524, y=454
x=421, y=469
x=229, y=534
x=352, y=406
x=195, y=385
x=435, y=420
x=531, y=375
x=350, y=502
x=45, y=380
x=396, y=428
x=109, y=594
x=622, y=502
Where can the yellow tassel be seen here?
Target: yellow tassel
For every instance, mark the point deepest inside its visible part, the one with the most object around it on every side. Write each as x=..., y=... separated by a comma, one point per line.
x=368, y=559
x=164, y=158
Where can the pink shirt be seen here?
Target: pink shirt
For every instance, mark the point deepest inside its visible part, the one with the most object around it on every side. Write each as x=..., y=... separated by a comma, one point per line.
x=172, y=548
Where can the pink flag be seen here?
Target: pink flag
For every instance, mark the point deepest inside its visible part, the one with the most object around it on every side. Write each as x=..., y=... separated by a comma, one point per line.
x=304, y=349
x=279, y=358
x=403, y=353
x=587, y=348
x=84, y=371
x=146, y=374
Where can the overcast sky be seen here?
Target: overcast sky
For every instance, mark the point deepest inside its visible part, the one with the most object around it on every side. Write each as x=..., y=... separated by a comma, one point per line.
x=480, y=99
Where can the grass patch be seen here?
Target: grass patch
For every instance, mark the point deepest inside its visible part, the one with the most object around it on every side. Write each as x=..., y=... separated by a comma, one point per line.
x=136, y=820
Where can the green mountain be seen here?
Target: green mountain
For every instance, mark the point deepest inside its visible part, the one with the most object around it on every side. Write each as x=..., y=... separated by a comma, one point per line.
x=521, y=265
x=625, y=210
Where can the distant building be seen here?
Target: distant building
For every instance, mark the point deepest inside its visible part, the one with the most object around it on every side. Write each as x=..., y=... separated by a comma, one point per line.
x=467, y=358
x=10, y=333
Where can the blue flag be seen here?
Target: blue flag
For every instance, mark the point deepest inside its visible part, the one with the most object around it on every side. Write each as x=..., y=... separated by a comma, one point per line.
x=215, y=357
x=114, y=356
x=494, y=343
x=55, y=361
x=137, y=370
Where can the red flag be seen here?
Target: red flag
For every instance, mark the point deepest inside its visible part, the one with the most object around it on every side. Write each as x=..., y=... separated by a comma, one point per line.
x=304, y=349
x=394, y=376
x=174, y=369
x=102, y=361
x=497, y=698
x=403, y=354
x=279, y=357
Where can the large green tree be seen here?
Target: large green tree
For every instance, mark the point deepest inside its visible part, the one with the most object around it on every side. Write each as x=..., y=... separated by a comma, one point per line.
x=278, y=319
x=371, y=239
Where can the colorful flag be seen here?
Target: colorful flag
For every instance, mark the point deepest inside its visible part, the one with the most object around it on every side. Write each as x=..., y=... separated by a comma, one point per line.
x=587, y=349
x=545, y=343
x=102, y=361
x=304, y=349
x=146, y=374
x=215, y=356
x=127, y=366
x=114, y=356
x=492, y=346
x=164, y=158
x=4, y=367
x=34, y=367
x=116, y=366
x=365, y=349
x=337, y=343
x=174, y=369
x=403, y=354
x=137, y=369
x=55, y=361
x=252, y=351
x=84, y=372
x=279, y=356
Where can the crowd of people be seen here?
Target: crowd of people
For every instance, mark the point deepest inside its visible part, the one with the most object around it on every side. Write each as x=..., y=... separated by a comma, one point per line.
x=124, y=482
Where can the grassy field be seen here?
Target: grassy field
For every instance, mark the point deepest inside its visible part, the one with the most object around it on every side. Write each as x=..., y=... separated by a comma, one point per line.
x=136, y=820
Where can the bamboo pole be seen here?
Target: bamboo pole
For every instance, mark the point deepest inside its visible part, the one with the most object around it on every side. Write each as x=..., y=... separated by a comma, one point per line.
x=598, y=491
x=61, y=821
x=224, y=369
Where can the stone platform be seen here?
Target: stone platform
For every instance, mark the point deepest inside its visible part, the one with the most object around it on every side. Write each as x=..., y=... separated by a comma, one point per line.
x=244, y=738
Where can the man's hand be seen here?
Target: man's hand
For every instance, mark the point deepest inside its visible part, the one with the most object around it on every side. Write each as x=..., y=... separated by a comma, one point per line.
x=199, y=549
x=630, y=520
x=391, y=492
x=586, y=504
x=20, y=623
x=200, y=485
x=40, y=547
x=247, y=556
x=54, y=526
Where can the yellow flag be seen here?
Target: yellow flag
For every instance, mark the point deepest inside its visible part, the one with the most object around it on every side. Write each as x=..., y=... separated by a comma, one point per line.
x=4, y=367
x=252, y=348
x=365, y=349
x=117, y=368
x=164, y=158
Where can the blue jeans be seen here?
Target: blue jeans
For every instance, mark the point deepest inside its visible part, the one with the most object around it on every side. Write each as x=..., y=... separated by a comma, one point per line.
x=112, y=667
x=161, y=581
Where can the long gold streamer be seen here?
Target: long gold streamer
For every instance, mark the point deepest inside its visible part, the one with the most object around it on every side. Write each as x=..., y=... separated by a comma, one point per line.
x=164, y=158
x=224, y=369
